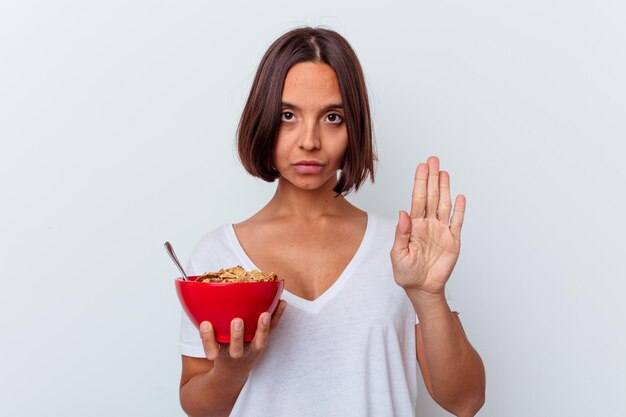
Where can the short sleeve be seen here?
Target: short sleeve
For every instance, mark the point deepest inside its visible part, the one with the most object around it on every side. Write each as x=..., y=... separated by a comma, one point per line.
x=451, y=303
x=190, y=343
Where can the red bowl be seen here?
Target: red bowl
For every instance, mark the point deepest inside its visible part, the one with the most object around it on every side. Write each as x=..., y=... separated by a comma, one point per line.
x=220, y=303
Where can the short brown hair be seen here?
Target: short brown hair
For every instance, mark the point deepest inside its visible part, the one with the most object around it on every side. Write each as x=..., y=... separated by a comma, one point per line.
x=259, y=123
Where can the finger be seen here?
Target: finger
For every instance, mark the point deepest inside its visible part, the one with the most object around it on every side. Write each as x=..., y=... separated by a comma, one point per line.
x=278, y=313
x=445, y=206
x=433, y=187
x=457, y=216
x=235, y=349
x=418, y=199
x=403, y=235
x=211, y=348
x=262, y=332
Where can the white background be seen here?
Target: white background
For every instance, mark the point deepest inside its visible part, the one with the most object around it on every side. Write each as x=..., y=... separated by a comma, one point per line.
x=117, y=126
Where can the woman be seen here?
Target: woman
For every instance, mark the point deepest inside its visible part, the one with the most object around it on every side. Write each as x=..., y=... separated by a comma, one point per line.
x=366, y=295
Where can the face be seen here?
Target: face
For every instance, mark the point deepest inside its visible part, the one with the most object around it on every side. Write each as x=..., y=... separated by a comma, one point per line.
x=313, y=137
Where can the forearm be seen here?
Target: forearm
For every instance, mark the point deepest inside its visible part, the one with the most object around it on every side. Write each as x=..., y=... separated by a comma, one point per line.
x=456, y=371
x=211, y=394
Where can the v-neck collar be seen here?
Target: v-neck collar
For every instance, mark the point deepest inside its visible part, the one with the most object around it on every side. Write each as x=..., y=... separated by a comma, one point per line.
x=311, y=306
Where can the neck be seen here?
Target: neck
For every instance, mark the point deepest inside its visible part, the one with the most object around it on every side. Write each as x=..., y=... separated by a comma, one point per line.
x=309, y=205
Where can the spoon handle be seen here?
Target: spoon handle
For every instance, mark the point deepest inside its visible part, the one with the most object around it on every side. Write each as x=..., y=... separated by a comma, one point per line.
x=170, y=250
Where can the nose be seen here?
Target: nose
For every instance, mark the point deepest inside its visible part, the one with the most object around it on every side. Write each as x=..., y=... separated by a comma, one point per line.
x=309, y=138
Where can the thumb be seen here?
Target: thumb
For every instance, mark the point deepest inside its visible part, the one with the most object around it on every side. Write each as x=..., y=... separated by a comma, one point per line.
x=403, y=233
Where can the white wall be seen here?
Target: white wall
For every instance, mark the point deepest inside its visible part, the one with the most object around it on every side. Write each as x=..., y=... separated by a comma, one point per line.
x=117, y=124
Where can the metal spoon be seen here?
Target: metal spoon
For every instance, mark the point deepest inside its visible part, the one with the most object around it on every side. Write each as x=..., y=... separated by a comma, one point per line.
x=170, y=250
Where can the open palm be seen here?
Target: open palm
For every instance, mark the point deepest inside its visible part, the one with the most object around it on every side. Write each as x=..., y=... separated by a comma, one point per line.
x=427, y=242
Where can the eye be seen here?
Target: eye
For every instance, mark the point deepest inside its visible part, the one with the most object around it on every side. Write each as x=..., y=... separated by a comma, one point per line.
x=335, y=118
x=286, y=116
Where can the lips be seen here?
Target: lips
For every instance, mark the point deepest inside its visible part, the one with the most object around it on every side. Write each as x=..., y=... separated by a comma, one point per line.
x=308, y=167
x=309, y=162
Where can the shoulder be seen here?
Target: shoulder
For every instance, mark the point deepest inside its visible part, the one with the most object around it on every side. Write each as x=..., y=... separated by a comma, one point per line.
x=384, y=221
x=382, y=233
x=213, y=245
x=211, y=238
x=385, y=225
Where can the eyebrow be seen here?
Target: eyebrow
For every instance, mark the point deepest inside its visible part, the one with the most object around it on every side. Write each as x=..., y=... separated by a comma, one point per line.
x=327, y=107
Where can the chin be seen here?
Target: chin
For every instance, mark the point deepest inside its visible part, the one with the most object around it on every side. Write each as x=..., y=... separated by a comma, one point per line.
x=303, y=184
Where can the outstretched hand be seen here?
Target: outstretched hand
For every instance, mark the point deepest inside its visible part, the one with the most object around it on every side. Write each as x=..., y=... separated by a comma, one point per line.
x=427, y=242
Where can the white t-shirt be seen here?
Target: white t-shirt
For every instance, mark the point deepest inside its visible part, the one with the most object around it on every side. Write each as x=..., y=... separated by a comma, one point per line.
x=349, y=352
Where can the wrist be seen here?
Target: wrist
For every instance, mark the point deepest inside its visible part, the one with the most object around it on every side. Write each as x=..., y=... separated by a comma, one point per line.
x=230, y=375
x=428, y=304
x=424, y=297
